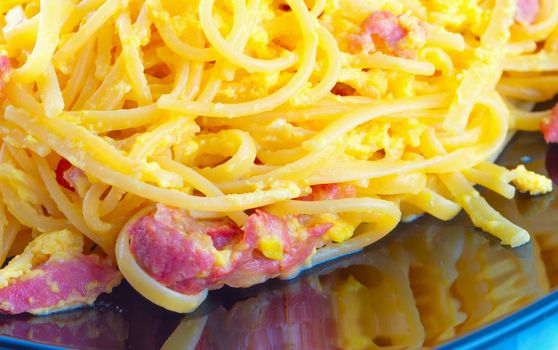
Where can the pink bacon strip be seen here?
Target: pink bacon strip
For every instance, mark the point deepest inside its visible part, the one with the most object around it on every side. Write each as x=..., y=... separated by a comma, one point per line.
x=380, y=25
x=549, y=126
x=527, y=11
x=58, y=285
x=179, y=251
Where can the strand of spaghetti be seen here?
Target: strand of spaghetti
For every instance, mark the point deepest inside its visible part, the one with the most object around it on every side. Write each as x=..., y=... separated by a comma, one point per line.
x=227, y=203
x=364, y=114
x=77, y=79
x=129, y=205
x=533, y=88
x=162, y=22
x=85, y=33
x=551, y=42
x=440, y=59
x=345, y=170
x=527, y=121
x=181, y=80
x=538, y=62
x=282, y=95
x=282, y=156
x=20, y=97
x=318, y=8
x=22, y=159
x=331, y=75
x=486, y=180
x=15, y=136
x=28, y=215
x=57, y=130
x=82, y=9
x=194, y=82
x=89, y=87
x=8, y=237
x=325, y=112
x=132, y=60
x=297, y=171
x=200, y=183
x=439, y=37
x=52, y=16
x=105, y=45
x=539, y=30
x=411, y=183
x=28, y=188
x=230, y=52
x=142, y=26
x=239, y=163
x=212, y=86
x=162, y=137
x=90, y=209
x=469, y=137
x=379, y=60
x=496, y=171
x=111, y=200
x=71, y=210
x=434, y=204
x=112, y=90
x=121, y=119
x=483, y=72
x=481, y=213
x=521, y=47
x=50, y=92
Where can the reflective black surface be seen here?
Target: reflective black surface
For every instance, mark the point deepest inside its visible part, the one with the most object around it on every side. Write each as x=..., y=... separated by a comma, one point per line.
x=429, y=283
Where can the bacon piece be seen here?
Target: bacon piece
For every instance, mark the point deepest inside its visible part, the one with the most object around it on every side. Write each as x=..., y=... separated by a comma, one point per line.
x=342, y=89
x=527, y=11
x=330, y=191
x=549, y=126
x=56, y=285
x=5, y=71
x=380, y=26
x=223, y=232
x=61, y=168
x=182, y=252
x=170, y=256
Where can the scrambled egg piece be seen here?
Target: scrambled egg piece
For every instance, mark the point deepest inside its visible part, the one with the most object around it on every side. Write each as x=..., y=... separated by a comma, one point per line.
x=57, y=245
x=457, y=15
x=342, y=229
x=531, y=182
x=271, y=247
x=392, y=138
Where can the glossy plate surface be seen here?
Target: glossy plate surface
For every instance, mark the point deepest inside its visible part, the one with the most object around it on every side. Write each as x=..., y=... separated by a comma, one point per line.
x=429, y=284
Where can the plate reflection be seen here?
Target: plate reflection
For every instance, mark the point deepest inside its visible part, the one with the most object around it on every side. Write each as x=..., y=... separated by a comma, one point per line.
x=423, y=285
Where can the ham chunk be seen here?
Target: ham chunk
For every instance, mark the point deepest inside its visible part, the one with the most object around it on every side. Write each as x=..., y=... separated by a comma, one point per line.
x=549, y=126
x=189, y=255
x=527, y=11
x=330, y=191
x=56, y=285
x=5, y=70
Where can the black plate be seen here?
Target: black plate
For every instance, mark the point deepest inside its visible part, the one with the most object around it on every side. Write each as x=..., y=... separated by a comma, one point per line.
x=429, y=283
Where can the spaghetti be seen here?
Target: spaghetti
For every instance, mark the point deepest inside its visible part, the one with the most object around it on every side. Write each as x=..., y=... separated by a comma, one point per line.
x=202, y=143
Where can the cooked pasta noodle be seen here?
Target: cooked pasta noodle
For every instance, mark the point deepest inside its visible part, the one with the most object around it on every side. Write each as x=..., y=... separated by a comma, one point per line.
x=350, y=115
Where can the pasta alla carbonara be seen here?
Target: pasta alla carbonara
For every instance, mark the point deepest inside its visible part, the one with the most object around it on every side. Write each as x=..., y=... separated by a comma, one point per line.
x=191, y=144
